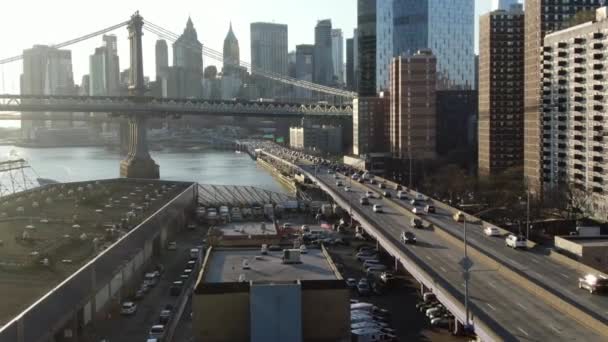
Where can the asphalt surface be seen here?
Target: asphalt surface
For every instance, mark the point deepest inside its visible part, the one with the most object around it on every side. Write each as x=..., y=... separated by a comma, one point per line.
x=516, y=310
x=119, y=328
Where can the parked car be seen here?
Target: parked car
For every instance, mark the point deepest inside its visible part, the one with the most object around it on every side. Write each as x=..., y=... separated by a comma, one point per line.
x=172, y=246
x=408, y=237
x=514, y=241
x=128, y=308
x=491, y=231
x=440, y=322
x=363, y=289
x=351, y=283
x=387, y=277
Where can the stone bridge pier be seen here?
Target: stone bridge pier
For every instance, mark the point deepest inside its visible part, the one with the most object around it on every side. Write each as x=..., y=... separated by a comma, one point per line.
x=138, y=163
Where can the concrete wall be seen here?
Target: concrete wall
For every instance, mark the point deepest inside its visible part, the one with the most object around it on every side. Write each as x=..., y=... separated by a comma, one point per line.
x=572, y=247
x=221, y=317
x=325, y=314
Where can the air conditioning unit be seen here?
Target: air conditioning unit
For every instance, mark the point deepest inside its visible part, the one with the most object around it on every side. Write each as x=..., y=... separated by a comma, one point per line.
x=291, y=256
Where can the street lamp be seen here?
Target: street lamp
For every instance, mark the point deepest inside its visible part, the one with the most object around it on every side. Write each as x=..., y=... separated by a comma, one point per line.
x=466, y=264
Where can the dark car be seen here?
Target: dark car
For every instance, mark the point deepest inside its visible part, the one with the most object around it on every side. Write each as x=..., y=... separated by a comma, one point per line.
x=386, y=194
x=364, y=201
x=408, y=237
x=398, y=187
x=176, y=288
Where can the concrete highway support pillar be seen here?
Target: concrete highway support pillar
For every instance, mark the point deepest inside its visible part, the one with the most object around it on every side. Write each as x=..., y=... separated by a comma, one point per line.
x=138, y=163
x=458, y=328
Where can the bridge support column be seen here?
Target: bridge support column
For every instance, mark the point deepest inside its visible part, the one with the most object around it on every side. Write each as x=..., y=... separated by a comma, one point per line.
x=458, y=328
x=138, y=163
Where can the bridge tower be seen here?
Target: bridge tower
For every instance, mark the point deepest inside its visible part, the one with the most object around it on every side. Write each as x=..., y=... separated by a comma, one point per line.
x=138, y=163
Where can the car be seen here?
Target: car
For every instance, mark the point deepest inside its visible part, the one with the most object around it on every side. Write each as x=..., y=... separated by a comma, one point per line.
x=364, y=201
x=151, y=279
x=172, y=246
x=351, y=283
x=382, y=185
x=429, y=209
x=164, y=316
x=369, y=194
x=387, y=194
x=408, y=237
x=336, y=177
x=274, y=248
x=417, y=211
x=157, y=331
x=139, y=294
x=363, y=289
x=287, y=225
x=417, y=223
x=176, y=288
x=440, y=322
x=377, y=208
x=398, y=187
x=362, y=248
x=516, y=241
x=339, y=183
x=593, y=283
x=145, y=288
x=371, y=262
x=386, y=277
x=491, y=231
x=372, y=181
x=437, y=308
x=364, y=258
x=458, y=217
x=402, y=195
x=347, y=188
x=305, y=228
x=375, y=267
x=303, y=249
x=128, y=308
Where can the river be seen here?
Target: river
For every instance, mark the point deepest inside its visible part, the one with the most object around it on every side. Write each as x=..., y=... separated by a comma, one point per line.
x=88, y=163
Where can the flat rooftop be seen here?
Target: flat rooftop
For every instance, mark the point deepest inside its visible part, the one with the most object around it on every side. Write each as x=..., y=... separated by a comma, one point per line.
x=226, y=265
x=245, y=229
x=590, y=241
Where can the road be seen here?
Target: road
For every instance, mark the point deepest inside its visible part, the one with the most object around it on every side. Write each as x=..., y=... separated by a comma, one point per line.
x=135, y=328
x=516, y=310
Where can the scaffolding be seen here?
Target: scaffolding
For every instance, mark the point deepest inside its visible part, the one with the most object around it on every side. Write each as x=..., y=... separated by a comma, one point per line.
x=13, y=177
x=243, y=196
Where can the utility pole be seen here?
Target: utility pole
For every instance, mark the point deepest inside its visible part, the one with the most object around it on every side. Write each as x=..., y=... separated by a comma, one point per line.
x=466, y=265
x=527, y=214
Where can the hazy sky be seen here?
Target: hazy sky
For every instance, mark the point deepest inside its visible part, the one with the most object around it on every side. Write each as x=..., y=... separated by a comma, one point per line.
x=24, y=23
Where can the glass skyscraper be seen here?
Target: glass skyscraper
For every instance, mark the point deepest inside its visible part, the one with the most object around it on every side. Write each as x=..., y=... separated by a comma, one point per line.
x=444, y=26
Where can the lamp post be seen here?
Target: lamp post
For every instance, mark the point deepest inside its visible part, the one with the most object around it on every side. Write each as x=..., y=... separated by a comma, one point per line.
x=466, y=264
x=527, y=214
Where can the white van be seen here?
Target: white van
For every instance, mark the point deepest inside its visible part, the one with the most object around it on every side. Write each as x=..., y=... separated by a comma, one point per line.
x=514, y=241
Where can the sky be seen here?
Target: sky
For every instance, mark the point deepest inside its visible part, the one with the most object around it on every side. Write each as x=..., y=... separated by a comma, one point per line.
x=24, y=23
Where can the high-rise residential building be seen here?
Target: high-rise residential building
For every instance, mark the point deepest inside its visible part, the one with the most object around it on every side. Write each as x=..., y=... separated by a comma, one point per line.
x=269, y=49
x=46, y=71
x=349, y=75
x=113, y=66
x=323, y=62
x=188, y=56
x=337, y=55
x=542, y=17
x=501, y=90
x=356, y=67
x=304, y=68
x=162, y=57
x=503, y=4
x=574, y=115
x=444, y=26
x=366, y=47
x=232, y=56
x=97, y=73
x=412, y=120
x=384, y=42
x=457, y=126
x=370, y=129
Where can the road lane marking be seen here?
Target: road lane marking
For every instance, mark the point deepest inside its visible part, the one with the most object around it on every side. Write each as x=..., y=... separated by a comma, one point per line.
x=428, y=257
x=492, y=284
x=555, y=329
x=491, y=307
x=565, y=275
x=534, y=260
x=522, y=306
x=523, y=331
x=443, y=269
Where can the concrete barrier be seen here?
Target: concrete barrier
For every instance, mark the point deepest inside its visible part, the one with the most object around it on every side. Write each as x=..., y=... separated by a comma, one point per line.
x=289, y=183
x=584, y=269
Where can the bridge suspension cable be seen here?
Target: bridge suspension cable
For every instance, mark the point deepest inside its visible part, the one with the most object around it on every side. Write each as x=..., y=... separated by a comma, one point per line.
x=216, y=55
x=71, y=41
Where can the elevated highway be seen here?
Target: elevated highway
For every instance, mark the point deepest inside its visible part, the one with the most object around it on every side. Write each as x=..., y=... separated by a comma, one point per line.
x=502, y=307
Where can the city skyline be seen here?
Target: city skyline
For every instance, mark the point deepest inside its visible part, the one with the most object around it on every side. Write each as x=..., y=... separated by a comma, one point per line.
x=211, y=28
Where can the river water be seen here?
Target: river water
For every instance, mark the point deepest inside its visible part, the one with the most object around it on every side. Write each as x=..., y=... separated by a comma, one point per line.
x=88, y=163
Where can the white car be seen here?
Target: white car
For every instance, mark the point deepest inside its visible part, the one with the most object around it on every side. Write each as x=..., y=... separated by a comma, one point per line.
x=491, y=231
x=514, y=241
x=369, y=194
x=417, y=211
x=377, y=208
x=157, y=331
x=347, y=188
x=128, y=308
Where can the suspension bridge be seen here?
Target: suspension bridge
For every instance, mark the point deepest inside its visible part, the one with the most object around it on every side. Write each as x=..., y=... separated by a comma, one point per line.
x=137, y=107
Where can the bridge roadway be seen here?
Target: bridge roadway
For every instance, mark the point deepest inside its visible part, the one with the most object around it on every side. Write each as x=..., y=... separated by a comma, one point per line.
x=514, y=312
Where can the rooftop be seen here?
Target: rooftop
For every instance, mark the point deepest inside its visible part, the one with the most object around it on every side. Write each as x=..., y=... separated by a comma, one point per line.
x=225, y=265
x=245, y=229
x=589, y=241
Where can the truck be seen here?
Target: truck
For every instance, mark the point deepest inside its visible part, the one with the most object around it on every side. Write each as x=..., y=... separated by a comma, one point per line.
x=291, y=256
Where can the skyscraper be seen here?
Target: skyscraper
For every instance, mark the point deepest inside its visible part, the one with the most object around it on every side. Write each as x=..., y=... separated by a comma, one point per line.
x=366, y=47
x=356, y=66
x=162, y=57
x=503, y=4
x=188, y=56
x=269, y=48
x=232, y=56
x=337, y=55
x=304, y=68
x=444, y=26
x=104, y=69
x=412, y=123
x=542, y=17
x=350, y=65
x=323, y=62
x=501, y=90
x=46, y=71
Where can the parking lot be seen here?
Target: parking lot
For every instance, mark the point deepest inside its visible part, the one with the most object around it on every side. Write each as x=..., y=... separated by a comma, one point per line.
x=400, y=298
x=136, y=327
